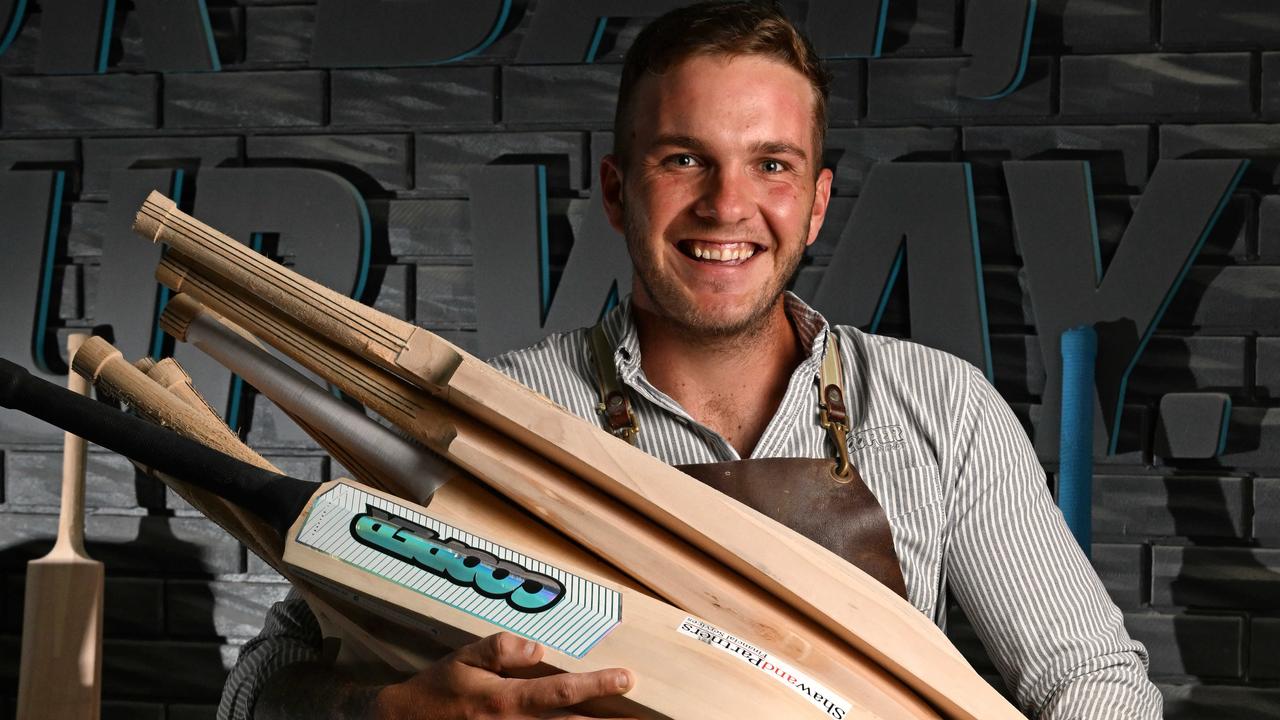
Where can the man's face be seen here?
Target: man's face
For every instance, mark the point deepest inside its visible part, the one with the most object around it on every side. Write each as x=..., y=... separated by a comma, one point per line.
x=719, y=196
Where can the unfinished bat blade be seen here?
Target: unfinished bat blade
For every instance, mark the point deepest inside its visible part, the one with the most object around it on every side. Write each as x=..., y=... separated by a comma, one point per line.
x=678, y=572
x=793, y=568
x=60, y=673
x=392, y=463
x=389, y=554
x=819, y=584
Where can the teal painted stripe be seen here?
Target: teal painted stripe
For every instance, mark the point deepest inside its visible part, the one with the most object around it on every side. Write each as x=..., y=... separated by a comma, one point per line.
x=15, y=24
x=108, y=20
x=366, y=243
x=215, y=63
x=1118, y=412
x=988, y=366
x=596, y=38
x=888, y=288
x=1093, y=225
x=610, y=302
x=1023, y=55
x=544, y=244
x=1226, y=423
x=881, y=21
x=503, y=15
x=46, y=272
x=162, y=292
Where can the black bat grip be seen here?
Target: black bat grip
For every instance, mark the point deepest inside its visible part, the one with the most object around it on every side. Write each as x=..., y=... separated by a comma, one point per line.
x=278, y=499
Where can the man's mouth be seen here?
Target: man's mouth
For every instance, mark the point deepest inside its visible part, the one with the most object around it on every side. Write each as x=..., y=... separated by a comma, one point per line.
x=720, y=253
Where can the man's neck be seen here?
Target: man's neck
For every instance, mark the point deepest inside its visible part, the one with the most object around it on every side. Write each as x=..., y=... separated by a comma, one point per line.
x=732, y=384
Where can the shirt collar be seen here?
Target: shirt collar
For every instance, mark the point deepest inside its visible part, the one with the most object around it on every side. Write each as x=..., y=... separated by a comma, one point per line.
x=619, y=327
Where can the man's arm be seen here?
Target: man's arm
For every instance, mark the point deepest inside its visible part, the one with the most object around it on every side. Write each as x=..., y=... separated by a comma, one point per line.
x=280, y=675
x=1034, y=600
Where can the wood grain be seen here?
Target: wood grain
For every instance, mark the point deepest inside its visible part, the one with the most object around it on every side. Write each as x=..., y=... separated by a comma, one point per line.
x=60, y=668
x=654, y=557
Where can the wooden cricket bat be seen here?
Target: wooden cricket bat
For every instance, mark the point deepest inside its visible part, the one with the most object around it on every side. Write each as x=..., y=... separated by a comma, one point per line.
x=806, y=576
x=394, y=557
x=60, y=671
x=676, y=571
x=401, y=464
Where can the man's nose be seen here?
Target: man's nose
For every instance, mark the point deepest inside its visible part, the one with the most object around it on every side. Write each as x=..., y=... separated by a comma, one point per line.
x=727, y=197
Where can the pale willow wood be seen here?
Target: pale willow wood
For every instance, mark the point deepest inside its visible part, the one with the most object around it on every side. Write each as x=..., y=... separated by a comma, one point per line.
x=60, y=668
x=678, y=676
x=648, y=627
x=806, y=576
x=675, y=570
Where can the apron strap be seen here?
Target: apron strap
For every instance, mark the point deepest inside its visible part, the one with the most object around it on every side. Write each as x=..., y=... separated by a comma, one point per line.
x=833, y=414
x=614, y=405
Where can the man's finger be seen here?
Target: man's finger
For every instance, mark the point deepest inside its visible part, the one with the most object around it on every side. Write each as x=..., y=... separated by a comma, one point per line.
x=561, y=691
x=500, y=652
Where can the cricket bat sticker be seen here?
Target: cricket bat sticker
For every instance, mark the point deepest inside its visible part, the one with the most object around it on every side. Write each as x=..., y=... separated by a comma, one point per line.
x=494, y=583
x=833, y=705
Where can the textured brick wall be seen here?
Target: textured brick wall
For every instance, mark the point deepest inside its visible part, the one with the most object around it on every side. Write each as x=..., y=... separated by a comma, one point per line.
x=1190, y=550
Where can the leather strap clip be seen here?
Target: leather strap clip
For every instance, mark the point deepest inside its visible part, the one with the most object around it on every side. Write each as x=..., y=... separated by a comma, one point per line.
x=614, y=404
x=833, y=414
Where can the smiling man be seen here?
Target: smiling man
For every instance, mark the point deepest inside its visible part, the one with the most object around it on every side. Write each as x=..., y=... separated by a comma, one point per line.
x=900, y=458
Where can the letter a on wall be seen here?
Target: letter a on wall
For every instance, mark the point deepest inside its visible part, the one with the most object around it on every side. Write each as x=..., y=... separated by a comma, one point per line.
x=922, y=214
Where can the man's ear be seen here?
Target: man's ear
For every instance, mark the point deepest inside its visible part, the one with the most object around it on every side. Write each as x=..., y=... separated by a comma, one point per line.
x=611, y=190
x=821, y=200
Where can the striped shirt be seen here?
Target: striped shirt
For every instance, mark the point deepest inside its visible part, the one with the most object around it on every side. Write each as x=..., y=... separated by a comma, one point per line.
x=966, y=498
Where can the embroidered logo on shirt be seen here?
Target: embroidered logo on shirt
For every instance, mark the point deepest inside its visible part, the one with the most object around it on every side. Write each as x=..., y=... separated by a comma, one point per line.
x=880, y=439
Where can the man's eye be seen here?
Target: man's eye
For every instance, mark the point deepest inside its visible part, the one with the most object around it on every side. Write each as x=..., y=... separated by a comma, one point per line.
x=772, y=166
x=683, y=160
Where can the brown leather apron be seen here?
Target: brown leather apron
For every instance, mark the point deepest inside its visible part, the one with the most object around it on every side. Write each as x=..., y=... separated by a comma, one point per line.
x=823, y=499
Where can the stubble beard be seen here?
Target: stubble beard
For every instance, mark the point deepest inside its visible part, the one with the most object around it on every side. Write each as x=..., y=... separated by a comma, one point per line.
x=671, y=304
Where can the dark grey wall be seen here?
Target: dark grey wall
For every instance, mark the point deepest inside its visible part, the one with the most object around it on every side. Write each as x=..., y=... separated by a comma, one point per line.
x=1189, y=549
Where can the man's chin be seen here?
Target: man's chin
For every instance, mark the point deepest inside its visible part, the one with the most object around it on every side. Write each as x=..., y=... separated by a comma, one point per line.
x=722, y=319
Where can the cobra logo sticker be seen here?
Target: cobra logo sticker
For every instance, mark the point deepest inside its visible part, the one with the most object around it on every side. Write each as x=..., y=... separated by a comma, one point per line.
x=522, y=589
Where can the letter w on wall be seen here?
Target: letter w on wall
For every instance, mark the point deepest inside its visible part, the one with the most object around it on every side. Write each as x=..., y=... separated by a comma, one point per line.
x=509, y=224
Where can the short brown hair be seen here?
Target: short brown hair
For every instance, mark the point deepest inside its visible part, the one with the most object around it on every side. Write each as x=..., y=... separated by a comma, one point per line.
x=721, y=27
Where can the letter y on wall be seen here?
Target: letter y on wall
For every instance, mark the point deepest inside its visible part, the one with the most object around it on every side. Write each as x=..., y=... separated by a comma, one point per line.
x=1053, y=217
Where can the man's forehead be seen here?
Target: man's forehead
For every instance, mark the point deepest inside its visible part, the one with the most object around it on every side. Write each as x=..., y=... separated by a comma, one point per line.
x=725, y=95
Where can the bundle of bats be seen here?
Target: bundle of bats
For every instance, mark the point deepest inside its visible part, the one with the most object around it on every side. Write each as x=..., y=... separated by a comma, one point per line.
x=490, y=508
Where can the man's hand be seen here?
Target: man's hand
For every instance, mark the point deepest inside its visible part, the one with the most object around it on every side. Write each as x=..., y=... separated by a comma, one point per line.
x=469, y=684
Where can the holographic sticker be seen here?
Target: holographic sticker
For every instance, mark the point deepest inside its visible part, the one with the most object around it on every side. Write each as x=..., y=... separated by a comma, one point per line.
x=492, y=582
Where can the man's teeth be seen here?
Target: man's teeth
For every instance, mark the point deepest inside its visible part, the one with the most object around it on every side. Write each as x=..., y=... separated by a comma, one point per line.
x=722, y=252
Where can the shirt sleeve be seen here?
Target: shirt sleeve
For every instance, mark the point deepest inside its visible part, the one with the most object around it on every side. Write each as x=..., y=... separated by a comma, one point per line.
x=290, y=635
x=1034, y=600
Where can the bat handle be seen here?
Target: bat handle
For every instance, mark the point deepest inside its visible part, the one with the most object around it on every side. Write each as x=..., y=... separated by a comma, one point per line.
x=71, y=517
x=277, y=499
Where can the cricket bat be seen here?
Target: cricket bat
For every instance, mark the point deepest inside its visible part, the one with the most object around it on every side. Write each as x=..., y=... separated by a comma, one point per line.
x=392, y=556
x=809, y=578
x=673, y=569
x=60, y=671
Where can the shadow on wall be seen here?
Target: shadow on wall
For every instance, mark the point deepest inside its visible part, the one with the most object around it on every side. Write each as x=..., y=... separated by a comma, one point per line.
x=160, y=640
x=1207, y=577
